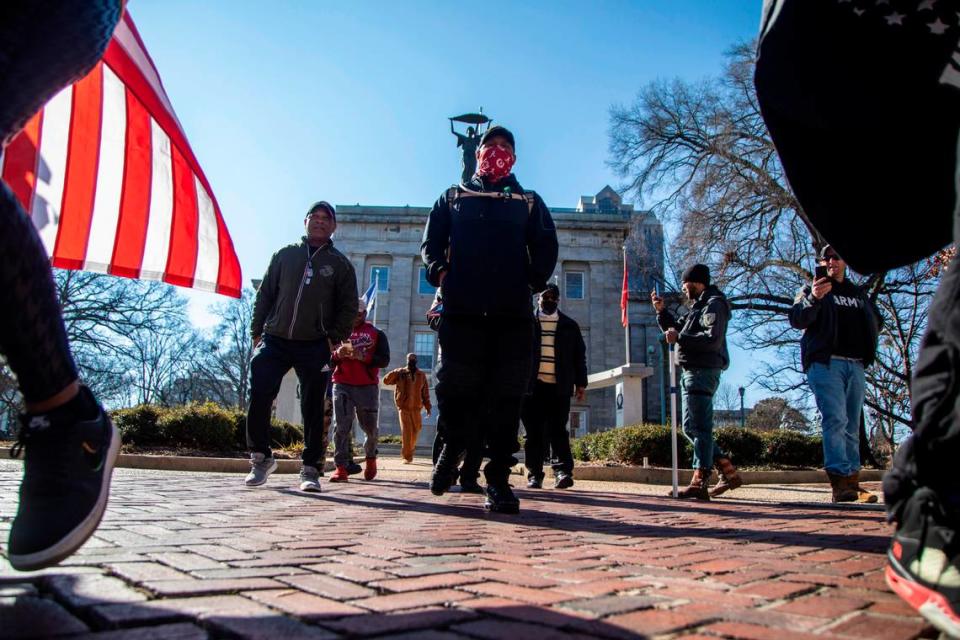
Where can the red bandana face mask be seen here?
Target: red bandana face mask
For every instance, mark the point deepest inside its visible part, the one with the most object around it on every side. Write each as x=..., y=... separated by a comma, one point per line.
x=495, y=162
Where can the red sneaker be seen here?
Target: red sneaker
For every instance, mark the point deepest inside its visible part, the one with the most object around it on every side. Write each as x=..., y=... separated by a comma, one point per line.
x=370, y=470
x=340, y=475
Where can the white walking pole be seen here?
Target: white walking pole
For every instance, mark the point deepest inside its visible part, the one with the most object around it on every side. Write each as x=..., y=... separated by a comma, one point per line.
x=673, y=422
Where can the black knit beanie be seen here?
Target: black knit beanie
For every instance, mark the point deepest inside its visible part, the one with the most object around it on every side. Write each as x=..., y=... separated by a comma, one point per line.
x=697, y=273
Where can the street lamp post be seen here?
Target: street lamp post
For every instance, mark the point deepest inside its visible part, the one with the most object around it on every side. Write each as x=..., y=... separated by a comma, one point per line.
x=743, y=418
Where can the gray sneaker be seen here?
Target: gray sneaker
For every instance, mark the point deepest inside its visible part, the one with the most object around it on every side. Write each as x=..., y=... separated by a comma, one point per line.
x=309, y=479
x=261, y=468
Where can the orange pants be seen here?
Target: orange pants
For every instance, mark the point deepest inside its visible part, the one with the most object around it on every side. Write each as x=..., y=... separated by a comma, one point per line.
x=410, y=424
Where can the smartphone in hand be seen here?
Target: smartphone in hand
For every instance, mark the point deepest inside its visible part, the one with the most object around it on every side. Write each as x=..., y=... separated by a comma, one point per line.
x=820, y=271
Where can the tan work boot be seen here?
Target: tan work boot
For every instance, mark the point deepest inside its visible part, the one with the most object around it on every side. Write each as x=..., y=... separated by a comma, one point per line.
x=699, y=486
x=863, y=496
x=843, y=491
x=729, y=478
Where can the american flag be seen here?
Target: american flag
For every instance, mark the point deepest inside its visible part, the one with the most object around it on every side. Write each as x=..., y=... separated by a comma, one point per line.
x=111, y=183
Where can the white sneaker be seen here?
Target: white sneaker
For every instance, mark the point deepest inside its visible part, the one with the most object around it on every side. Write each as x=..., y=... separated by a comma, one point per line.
x=261, y=468
x=309, y=479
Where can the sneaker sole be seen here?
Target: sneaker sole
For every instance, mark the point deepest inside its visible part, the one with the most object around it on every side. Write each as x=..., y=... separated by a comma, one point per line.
x=310, y=487
x=265, y=478
x=82, y=532
x=928, y=603
x=492, y=508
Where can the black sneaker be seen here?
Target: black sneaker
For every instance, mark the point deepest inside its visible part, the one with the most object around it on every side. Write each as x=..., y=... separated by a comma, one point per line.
x=353, y=468
x=534, y=482
x=445, y=471
x=922, y=563
x=562, y=480
x=500, y=499
x=470, y=486
x=66, y=482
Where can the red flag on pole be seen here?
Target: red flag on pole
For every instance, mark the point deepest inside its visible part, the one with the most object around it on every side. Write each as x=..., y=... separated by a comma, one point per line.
x=107, y=175
x=623, y=294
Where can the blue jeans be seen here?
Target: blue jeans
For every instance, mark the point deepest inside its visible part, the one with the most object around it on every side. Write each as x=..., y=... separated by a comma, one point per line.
x=838, y=389
x=698, y=387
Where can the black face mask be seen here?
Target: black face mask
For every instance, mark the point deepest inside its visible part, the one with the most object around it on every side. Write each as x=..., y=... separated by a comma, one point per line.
x=412, y=365
x=549, y=306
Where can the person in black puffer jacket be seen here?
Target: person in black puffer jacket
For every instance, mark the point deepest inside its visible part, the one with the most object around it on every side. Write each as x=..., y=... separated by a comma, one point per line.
x=489, y=245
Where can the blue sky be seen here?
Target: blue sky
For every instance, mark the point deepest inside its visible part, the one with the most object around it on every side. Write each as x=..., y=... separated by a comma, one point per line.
x=289, y=102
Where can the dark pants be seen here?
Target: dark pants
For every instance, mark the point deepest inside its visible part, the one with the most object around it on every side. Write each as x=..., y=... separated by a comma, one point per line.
x=272, y=360
x=483, y=373
x=44, y=46
x=545, y=415
x=927, y=459
x=470, y=469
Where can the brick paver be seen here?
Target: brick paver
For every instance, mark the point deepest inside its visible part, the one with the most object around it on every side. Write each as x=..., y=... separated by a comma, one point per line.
x=199, y=555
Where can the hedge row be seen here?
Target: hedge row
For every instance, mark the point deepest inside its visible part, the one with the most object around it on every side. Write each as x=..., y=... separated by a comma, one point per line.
x=747, y=447
x=205, y=426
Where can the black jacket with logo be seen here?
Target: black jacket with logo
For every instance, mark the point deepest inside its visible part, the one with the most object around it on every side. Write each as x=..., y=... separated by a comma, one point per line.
x=818, y=319
x=496, y=251
x=298, y=303
x=570, y=355
x=703, y=332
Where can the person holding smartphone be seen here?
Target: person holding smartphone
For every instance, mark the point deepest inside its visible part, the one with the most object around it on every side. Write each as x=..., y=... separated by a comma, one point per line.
x=840, y=331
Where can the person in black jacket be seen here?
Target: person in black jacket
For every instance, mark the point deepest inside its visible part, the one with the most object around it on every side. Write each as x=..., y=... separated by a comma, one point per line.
x=560, y=371
x=701, y=340
x=840, y=330
x=488, y=244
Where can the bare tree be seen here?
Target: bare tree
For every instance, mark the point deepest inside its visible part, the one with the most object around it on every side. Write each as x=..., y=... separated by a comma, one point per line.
x=701, y=156
x=771, y=414
x=726, y=398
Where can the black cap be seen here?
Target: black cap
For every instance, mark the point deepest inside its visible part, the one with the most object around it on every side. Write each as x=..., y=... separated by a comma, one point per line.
x=552, y=287
x=322, y=204
x=497, y=130
x=825, y=251
x=697, y=273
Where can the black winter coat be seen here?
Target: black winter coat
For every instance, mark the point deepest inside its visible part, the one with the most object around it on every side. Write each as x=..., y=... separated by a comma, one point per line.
x=703, y=331
x=496, y=251
x=570, y=354
x=818, y=320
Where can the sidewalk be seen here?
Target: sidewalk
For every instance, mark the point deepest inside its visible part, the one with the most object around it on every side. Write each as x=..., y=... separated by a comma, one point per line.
x=186, y=555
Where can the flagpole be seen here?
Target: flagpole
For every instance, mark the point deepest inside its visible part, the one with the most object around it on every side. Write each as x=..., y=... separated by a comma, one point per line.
x=626, y=308
x=674, y=462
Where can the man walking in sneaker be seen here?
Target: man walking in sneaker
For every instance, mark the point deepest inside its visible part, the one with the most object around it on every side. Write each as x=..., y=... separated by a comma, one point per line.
x=412, y=395
x=488, y=245
x=356, y=391
x=701, y=339
x=68, y=442
x=561, y=366
x=840, y=332
x=308, y=299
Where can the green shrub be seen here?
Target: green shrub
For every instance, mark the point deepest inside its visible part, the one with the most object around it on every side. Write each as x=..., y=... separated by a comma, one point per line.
x=285, y=434
x=652, y=441
x=390, y=439
x=593, y=446
x=792, y=449
x=745, y=446
x=203, y=426
x=138, y=425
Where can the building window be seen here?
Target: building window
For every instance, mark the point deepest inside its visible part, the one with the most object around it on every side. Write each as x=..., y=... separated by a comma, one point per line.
x=425, y=288
x=424, y=347
x=381, y=274
x=577, y=426
x=573, y=281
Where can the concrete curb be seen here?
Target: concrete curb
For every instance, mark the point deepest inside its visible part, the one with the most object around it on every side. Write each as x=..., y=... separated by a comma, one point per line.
x=650, y=475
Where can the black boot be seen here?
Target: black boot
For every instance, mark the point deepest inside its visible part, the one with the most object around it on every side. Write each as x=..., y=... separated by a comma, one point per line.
x=445, y=471
x=500, y=499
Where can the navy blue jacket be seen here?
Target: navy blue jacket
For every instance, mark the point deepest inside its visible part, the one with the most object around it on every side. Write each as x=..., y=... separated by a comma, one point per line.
x=818, y=319
x=497, y=252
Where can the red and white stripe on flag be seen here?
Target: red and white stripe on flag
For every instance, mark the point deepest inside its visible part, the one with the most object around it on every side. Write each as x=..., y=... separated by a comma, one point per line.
x=109, y=179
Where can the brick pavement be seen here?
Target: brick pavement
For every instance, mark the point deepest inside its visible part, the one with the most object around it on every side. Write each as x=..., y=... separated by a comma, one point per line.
x=199, y=555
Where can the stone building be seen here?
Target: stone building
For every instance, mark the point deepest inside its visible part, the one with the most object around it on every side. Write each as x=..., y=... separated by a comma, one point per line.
x=383, y=242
